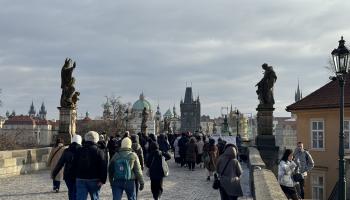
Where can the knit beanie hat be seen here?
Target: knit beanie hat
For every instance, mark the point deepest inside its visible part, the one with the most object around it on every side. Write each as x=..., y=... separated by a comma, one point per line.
x=77, y=139
x=92, y=136
x=126, y=143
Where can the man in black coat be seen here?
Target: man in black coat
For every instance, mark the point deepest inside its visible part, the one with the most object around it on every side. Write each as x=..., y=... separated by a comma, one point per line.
x=91, y=168
x=68, y=161
x=182, y=148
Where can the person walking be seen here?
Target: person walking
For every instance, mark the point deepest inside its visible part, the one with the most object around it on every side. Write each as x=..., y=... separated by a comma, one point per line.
x=305, y=163
x=177, y=150
x=191, y=154
x=286, y=168
x=163, y=143
x=229, y=170
x=210, y=153
x=123, y=170
x=200, y=145
x=136, y=147
x=91, y=165
x=54, y=157
x=154, y=164
x=182, y=143
x=68, y=161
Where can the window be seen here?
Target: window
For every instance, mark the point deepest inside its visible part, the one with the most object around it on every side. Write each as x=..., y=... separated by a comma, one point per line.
x=317, y=134
x=346, y=134
x=317, y=184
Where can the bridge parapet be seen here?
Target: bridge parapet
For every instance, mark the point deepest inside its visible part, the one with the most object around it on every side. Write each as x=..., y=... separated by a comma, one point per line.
x=264, y=184
x=23, y=161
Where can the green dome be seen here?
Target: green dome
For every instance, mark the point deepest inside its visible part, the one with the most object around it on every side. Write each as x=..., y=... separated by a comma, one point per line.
x=168, y=114
x=141, y=103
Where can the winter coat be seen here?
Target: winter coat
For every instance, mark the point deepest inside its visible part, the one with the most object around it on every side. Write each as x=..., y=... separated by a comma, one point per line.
x=229, y=180
x=191, y=152
x=212, y=150
x=303, y=160
x=54, y=157
x=136, y=172
x=154, y=164
x=163, y=143
x=182, y=145
x=67, y=160
x=200, y=145
x=91, y=163
x=136, y=147
x=176, y=147
x=285, y=171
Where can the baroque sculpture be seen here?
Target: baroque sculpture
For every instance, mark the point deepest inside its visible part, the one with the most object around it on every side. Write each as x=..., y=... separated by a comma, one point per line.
x=69, y=96
x=144, y=120
x=265, y=86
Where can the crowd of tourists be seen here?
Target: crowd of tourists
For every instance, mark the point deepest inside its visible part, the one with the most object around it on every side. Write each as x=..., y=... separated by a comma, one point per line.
x=87, y=162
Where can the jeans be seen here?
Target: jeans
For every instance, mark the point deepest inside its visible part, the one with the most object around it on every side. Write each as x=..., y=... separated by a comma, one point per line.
x=56, y=184
x=85, y=186
x=72, y=189
x=301, y=184
x=119, y=186
x=157, y=188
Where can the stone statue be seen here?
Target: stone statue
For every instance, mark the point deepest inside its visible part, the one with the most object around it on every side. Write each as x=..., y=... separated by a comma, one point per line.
x=265, y=86
x=144, y=120
x=167, y=127
x=69, y=96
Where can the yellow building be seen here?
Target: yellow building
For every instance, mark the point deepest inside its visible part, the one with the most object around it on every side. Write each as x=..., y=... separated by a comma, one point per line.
x=318, y=128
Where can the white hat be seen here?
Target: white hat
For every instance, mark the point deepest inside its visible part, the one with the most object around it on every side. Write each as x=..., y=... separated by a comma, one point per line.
x=92, y=136
x=126, y=143
x=77, y=139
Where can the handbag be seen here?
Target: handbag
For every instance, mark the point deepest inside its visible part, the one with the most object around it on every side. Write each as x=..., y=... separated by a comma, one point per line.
x=165, y=167
x=216, y=184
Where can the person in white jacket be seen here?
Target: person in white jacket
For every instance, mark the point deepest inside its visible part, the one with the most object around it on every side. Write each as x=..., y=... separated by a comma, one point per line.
x=286, y=169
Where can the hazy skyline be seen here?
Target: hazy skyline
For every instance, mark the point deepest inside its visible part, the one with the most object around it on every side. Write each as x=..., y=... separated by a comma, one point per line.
x=125, y=47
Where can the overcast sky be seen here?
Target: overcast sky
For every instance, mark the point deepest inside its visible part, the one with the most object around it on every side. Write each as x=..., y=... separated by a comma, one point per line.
x=125, y=47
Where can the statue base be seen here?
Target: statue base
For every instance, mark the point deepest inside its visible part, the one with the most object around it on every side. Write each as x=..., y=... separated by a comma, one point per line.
x=67, y=124
x=265, y=119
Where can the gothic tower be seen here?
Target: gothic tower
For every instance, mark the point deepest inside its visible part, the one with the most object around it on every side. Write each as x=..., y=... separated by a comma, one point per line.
x=190, y=112
x=32, y=111
x=42, y=112
x=298, y=95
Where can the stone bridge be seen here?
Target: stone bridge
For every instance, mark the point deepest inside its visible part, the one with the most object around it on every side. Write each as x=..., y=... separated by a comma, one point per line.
x=23, y=175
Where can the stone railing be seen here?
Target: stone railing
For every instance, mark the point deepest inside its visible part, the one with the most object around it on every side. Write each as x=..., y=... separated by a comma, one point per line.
x=23, y=161
x=264, y=184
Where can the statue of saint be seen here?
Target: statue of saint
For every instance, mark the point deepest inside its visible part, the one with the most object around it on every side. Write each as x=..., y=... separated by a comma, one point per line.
x=144, y=120
x=265, y=86
x=69, y=96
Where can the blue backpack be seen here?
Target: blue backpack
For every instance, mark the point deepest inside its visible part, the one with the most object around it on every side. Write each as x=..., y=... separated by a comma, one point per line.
x=122, y=169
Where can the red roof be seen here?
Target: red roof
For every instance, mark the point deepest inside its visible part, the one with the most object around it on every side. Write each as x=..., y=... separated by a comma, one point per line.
x=325, y=97
x=20, y=120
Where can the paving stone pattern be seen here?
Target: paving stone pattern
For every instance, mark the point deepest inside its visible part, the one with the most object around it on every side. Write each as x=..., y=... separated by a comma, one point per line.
x=180, y=184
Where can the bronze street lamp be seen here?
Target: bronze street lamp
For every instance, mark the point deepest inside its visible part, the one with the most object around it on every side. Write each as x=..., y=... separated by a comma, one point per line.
x=341, y=60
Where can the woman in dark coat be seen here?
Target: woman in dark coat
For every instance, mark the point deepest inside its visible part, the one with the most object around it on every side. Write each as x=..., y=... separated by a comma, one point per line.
x=156, y=173
x=229, y=171
x=211, y=150
x=191, y=153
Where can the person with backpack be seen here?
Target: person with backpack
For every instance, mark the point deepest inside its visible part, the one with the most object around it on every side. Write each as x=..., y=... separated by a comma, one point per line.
x=157, y=169
x=67, y=160
x=53, y=159
x=229, y=171
x=91, y=168
x=124, y=169
x=305, y=163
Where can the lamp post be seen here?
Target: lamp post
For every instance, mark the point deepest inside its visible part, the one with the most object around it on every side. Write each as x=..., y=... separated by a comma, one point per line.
x=237, y=120
x=340, y=59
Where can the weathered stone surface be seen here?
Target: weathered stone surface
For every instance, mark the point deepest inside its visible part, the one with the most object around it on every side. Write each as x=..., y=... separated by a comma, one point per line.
x=266, y=186
x=255, y=158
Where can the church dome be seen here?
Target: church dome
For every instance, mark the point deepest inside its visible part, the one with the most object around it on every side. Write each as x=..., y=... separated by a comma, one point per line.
x=168, y=114
x=141, y=103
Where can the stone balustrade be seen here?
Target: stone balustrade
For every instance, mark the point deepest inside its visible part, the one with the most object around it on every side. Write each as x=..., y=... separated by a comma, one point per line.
x=23, y=161
x=264, y=184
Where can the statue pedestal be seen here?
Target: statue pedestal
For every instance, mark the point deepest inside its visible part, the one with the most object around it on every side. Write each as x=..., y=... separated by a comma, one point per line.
x=67, y=124
x=265, y=141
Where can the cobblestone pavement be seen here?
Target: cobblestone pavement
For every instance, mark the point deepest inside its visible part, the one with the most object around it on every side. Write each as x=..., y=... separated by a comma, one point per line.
x=180, y=184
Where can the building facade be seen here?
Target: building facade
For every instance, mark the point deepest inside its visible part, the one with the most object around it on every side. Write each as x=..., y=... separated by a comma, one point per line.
x=317, y=124
x=190, y=112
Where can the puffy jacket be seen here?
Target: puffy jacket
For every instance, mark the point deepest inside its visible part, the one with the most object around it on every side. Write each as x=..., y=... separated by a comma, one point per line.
x=67, y=160
x=285, y=171
x=91, y=163
x=136, y=172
